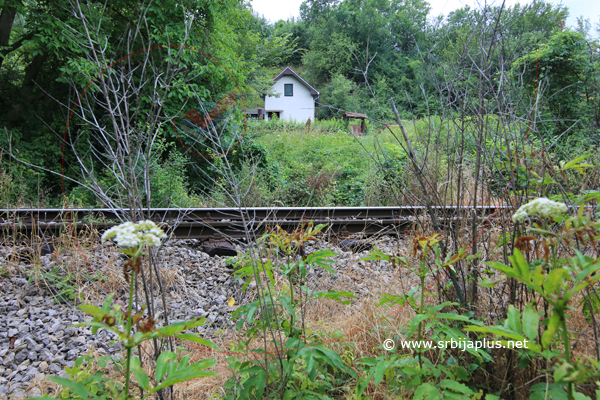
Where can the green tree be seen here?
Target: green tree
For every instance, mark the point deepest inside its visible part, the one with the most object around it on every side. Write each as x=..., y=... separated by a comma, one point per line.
x=44, y=55
x=564, y=71
x=331, y=53
x=340, y=95
x=365, y=40
x=299, y=33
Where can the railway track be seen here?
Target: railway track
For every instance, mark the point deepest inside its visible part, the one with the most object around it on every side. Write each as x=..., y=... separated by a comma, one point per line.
x=204, y=223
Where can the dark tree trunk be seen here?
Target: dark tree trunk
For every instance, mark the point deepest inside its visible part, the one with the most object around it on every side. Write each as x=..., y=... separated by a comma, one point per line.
x=28, y=96
x=7, y=17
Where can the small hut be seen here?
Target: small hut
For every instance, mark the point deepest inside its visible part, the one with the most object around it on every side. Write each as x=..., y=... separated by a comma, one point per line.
x=357, y=129
x=256, y=113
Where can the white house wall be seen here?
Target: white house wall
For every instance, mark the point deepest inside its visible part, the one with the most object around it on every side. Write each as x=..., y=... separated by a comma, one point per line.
x=299, y=107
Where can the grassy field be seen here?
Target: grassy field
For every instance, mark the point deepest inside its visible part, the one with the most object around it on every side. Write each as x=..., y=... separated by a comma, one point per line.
x=328, y=166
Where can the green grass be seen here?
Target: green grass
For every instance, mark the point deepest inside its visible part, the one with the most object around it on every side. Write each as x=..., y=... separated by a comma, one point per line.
x=327, y=166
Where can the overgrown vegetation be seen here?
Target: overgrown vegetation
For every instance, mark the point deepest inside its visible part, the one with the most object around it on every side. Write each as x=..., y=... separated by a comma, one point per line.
x=358, y=53
x=491, y=106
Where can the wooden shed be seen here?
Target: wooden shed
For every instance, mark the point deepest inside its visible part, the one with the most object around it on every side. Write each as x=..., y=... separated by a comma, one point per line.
x=358, y=129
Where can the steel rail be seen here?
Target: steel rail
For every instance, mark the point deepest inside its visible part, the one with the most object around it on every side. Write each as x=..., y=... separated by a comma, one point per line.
x=234, y=213
x=208, y=222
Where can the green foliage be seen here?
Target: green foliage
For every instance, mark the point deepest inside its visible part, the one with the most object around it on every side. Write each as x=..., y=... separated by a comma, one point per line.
x=303, y=367
x=327, y=166
x=563, y=70
x=16, y=183
x=446, y=378
x=345, y=37
x=45, y=57
x=394, y=164
x=250, y=161
x=168, y=183
x=334, y=40
x=339, y=95
x=350, y=188
x=64, y=284
x=331, y=54
x=557, y=281
x=83, y=381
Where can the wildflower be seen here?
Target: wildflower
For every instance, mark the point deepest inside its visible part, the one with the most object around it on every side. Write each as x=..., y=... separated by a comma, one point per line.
x=132, y=235
x=540, y=207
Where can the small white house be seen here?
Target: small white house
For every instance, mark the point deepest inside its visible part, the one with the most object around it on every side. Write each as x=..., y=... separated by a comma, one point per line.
x=296, y=99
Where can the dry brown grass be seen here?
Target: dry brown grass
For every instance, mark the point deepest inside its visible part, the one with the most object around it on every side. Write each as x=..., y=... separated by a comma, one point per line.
x=362, y=325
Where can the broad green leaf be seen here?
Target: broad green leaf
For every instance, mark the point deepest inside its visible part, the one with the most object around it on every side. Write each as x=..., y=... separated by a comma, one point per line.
x=434, y=309
x=392, y=298
x=182, y=376
x=510, y=272
x=546, y=181
x=380, y=371
x=453, y=316
x=496, y=330
x=91, y=310
x=524, y=360
x=286, y=303
x=414, y=323
x=588, y=270
x=310, y=363
x=531, y=322
x=562, y=371
x=538, y=277
x=426, y=391
x=183, y=363
x=332, y=357
x=521, y=265
x=257, y=382
x=456, y=386
x=140, y=374
x=552, y=391
x=548, y=335
x=335, y=295
x=161, y=364
x=573, y=162
x=77, y=387
x=172, y=329
x=363, y=383
x=490, y=283
x=514, y=319
x=553, y=279
x=196, y=339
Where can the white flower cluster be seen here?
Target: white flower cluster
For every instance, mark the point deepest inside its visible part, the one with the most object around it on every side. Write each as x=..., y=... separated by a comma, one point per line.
x=132, y=235
x=541, y=207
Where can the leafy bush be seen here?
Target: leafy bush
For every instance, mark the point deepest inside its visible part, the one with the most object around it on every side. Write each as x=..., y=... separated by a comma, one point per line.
x=349, y=188
x=556, y=282
x=303, y=367
x=418, y=372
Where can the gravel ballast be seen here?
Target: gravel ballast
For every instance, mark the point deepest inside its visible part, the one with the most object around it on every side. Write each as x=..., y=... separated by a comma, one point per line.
x=36, y=334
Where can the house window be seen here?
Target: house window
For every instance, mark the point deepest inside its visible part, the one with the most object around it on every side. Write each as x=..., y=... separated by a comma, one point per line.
x=288, y=89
